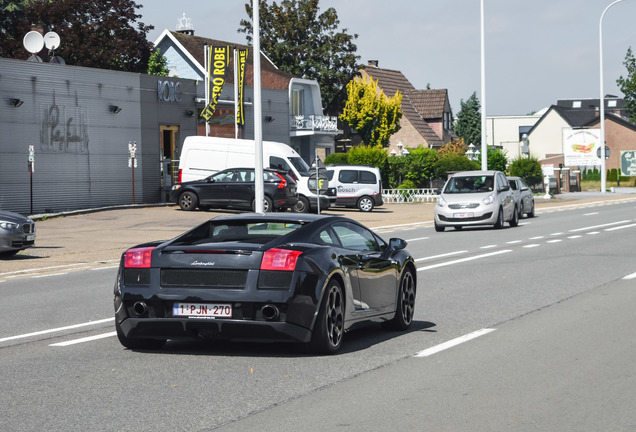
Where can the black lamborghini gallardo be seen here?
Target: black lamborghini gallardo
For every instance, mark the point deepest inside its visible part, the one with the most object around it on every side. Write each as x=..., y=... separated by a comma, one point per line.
x=276, y=277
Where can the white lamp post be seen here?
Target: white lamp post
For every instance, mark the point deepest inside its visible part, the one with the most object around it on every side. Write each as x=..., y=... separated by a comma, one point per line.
x=484, y=144
x=602, y=98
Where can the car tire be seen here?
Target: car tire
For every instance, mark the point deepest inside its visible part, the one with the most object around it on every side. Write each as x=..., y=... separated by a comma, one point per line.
x=143, y=344
x=188, y=201
x=365, y=204
x=531, y=212
x=302, y=206
x=268, y=205
x=405, y=307
x=515, y=218
x=500, y=219
x=326, y=337
x=439, y=228
x=521, y=211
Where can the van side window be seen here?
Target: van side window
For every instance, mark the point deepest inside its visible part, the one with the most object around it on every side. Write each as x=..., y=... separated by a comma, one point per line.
x=348, y=176
x=367, y=177
x=278, y=163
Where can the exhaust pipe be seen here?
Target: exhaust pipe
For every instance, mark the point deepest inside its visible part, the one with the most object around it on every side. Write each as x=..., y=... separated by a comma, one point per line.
x=270, y=312
x=140, y=308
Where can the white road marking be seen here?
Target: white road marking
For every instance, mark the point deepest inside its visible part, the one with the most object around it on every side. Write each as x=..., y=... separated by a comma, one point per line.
x=575, y=237
x=416, y=239
x=536, y=238
x=43, y=268
x=531, y=246
x=58, y=329
x=453, y=342
x=620, y=227
x=514, y=242
x=440, y=256
x=82, y=340
x=447, y=263
x=590, y=214
x=488, y=247
x=593, y=233
x=629, y=277
x=555, y=241
x=599, y=226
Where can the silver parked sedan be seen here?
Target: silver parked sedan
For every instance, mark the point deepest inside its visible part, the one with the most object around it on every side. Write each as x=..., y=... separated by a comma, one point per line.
x=523, y=196
x=17, y=232
x=472, y=198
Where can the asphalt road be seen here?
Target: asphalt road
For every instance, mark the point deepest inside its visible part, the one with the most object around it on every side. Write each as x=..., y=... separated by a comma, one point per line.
x=552, y=300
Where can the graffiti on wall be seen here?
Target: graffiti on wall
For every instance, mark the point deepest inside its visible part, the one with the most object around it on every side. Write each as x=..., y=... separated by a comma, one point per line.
x=64, y=129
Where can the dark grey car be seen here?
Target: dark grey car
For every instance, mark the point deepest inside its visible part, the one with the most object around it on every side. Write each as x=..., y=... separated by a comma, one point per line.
x=17, y=232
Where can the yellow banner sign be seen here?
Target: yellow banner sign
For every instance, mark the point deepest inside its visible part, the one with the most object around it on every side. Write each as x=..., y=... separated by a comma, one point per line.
x=218, y=63
x=242, y=60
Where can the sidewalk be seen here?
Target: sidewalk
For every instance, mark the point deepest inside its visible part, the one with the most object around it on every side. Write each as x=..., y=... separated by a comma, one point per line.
x=99, y=236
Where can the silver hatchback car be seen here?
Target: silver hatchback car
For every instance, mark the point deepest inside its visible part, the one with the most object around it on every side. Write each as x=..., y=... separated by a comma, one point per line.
x=473, y=198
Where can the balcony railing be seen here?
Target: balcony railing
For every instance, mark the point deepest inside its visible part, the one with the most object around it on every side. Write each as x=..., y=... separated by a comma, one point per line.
x=314, y=123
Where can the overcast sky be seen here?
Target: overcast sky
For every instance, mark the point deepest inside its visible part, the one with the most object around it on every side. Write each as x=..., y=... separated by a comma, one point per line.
x=537, y=51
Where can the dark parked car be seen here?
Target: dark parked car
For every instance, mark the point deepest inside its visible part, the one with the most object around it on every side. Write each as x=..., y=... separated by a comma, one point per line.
x=17, y=232
x=234, y=188
x=276, y=277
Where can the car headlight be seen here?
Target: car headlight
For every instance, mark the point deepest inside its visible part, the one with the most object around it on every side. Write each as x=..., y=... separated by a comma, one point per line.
x=176, y=187
x=8, y=225
x=489, y=199
x=441, y=201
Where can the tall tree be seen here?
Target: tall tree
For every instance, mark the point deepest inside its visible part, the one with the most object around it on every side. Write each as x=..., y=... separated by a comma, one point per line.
x=93, y=33
x=468, y=122
x=304, y=42
x=368, y=110
x=628, y=85
x=158, y=64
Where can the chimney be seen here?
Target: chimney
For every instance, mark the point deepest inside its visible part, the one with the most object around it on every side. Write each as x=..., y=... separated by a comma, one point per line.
x=373, y=63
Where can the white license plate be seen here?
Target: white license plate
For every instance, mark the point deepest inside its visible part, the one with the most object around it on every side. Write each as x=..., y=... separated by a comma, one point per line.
x=462, y=215
x=30, y=237
x=202, y=310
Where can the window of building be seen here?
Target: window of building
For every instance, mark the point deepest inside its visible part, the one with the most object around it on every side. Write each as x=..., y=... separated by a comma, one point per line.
x=297, y=102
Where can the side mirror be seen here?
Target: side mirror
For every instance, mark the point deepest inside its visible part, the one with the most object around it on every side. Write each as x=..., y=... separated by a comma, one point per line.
x=438, y=191
x=504, y=188
x=397, y=244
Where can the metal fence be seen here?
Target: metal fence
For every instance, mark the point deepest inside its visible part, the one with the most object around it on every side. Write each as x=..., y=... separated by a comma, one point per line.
x=393, y=196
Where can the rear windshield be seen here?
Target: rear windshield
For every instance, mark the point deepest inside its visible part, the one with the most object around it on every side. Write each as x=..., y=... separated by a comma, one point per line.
x=259, y=232
x=469, y=184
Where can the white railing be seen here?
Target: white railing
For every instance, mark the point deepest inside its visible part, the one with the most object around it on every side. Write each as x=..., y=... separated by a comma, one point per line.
x=315, y=123
x=393, y=196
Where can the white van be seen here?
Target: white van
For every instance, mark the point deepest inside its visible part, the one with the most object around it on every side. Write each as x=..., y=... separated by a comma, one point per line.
x=356, y=186
x=203, y=156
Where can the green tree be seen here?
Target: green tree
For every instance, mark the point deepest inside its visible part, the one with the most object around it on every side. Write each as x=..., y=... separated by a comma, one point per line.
x=468, y=122
x=497, y=159
x=93, y=33
x=368, y=110
x=528, y=168
x=158, y=64
x=306, y=43
x=452, y=163
x=628, y=85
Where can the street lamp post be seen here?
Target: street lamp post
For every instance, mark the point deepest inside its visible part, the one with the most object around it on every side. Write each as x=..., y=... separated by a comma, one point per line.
x=484, y=144
x=602, y=98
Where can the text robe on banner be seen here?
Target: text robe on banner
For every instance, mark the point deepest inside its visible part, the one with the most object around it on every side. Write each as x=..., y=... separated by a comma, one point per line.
x=218, y=66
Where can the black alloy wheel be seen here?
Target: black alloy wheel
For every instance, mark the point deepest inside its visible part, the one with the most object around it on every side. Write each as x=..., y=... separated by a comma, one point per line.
x=329, y=326
x=406, y=303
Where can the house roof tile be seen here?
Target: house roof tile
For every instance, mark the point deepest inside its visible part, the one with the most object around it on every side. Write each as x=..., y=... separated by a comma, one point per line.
x=271, y=76
x=391, y=81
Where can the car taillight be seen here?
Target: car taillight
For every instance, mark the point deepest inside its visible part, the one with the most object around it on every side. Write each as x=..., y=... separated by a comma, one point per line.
x=138, y=257
x=283, y=182
x=280, y=259
x=179, y=176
